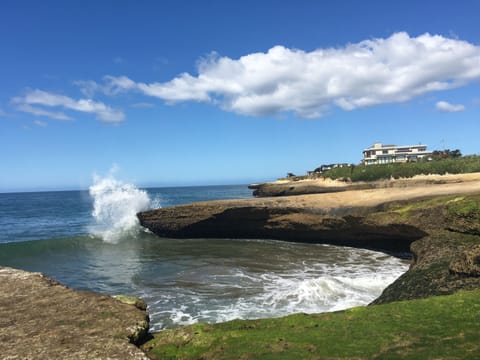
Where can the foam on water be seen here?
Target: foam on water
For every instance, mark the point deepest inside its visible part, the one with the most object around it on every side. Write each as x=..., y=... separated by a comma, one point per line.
x=311, y=287
x=183, y=281
x=115, y=205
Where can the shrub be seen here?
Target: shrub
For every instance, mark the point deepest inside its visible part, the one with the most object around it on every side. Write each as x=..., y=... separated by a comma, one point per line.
x=467, y=164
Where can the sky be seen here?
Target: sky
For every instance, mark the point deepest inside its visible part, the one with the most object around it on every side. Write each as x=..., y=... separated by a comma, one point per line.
x=173, y=93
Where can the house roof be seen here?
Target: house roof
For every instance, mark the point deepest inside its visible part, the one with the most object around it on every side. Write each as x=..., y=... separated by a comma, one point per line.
x=384, y=147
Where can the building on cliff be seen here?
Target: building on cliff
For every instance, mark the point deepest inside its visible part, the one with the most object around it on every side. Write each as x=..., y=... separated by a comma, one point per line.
x=322, y=168
x=379, y=153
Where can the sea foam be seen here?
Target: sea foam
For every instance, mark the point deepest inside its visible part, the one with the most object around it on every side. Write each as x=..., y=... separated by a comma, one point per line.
x=115, y=205
x=299, y=278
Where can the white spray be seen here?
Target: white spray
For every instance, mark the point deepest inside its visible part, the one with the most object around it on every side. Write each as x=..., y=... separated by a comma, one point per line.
x=115, y=205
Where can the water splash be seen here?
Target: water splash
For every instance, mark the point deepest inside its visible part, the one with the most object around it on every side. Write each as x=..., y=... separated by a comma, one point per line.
x=115, y=205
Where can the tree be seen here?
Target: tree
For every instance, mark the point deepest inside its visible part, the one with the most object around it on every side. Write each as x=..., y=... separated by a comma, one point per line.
x=446, y=154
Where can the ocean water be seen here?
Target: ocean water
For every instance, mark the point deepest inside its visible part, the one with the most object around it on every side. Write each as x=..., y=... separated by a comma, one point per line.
x=91, y=240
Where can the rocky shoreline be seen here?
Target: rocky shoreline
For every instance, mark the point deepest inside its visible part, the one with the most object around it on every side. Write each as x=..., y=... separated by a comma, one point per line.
x=357, y=218
x=42, y=319
x=439, y=224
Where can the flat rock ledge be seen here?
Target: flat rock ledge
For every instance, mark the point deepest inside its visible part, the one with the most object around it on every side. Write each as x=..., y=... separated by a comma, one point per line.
x=357, y=218
x=42, y=319
x=438, y=225
x=289, y=187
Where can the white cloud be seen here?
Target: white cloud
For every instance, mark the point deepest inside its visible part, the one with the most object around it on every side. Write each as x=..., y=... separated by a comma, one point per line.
x=447, y=107
x=367, y=73
x=33, y=99
x=40, y=123
x=41, y=112
x=88, y=87
x=111, y=86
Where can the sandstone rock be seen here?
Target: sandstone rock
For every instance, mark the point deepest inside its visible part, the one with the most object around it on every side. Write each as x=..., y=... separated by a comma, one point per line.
x=444, y=263
x=42, y=319
x=305, y=224
x=427, y=220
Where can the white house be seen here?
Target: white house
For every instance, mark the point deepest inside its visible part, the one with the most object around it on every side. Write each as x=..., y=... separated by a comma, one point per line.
x=379, y=153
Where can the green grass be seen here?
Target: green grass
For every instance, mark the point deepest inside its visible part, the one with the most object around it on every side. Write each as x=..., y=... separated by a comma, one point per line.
x=467, y=164
x=466, y=209
x=447, y=201
x=443, y=327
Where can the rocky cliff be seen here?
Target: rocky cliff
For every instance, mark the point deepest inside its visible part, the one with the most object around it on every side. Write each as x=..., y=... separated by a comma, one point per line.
x=438, y=224
x=346, y=227
x=443, y=230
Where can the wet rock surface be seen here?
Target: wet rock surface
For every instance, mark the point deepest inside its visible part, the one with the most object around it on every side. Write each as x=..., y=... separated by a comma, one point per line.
x=441, y=266
x=42, y=319
x=448, y=258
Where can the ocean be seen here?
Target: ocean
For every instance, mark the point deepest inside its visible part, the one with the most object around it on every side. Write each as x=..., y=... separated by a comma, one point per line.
x=91, y=240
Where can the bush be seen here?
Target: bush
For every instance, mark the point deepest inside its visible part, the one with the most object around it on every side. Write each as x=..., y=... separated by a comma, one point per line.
x=467, y=164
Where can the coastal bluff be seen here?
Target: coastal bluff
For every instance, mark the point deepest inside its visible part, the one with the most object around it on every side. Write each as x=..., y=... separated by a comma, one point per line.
x=320, y=185
x=357, y=218
x=431, y=311
x=42, y=319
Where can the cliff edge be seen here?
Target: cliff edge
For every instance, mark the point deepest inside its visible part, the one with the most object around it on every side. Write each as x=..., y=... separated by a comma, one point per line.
x=349, y=218
x=438, y=223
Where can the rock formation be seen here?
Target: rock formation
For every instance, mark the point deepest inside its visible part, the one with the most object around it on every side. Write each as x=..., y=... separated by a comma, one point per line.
x=438, y=224
x=42, y=319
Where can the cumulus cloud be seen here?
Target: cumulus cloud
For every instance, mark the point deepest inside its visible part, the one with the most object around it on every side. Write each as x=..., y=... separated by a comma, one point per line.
x=375, y=71
x=35, y=101
x=447, y=107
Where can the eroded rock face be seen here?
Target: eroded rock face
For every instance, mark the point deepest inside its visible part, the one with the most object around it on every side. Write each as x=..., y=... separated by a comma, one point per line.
x=444, y=263
x=42, y=319
x=345, y=228
x=438, y=230
x=467, y=263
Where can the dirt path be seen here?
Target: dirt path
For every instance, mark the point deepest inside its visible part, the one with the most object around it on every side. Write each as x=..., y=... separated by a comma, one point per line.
x=418, y=187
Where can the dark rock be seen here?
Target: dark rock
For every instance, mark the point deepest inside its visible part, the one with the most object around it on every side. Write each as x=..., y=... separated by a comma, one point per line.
x=212, y=220
x=297, y=188
x=443, y=264
x=445, y=254
x=467, y=263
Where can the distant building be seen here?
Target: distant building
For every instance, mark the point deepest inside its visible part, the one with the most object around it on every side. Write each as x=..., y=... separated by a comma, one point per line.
x=322, y=168
x=384, y=154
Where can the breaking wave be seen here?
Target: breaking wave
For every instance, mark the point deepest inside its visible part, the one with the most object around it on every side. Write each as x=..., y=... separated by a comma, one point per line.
x=115, y=208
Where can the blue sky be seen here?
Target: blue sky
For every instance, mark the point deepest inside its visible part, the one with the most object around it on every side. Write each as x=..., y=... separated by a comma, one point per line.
x=214, y=92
